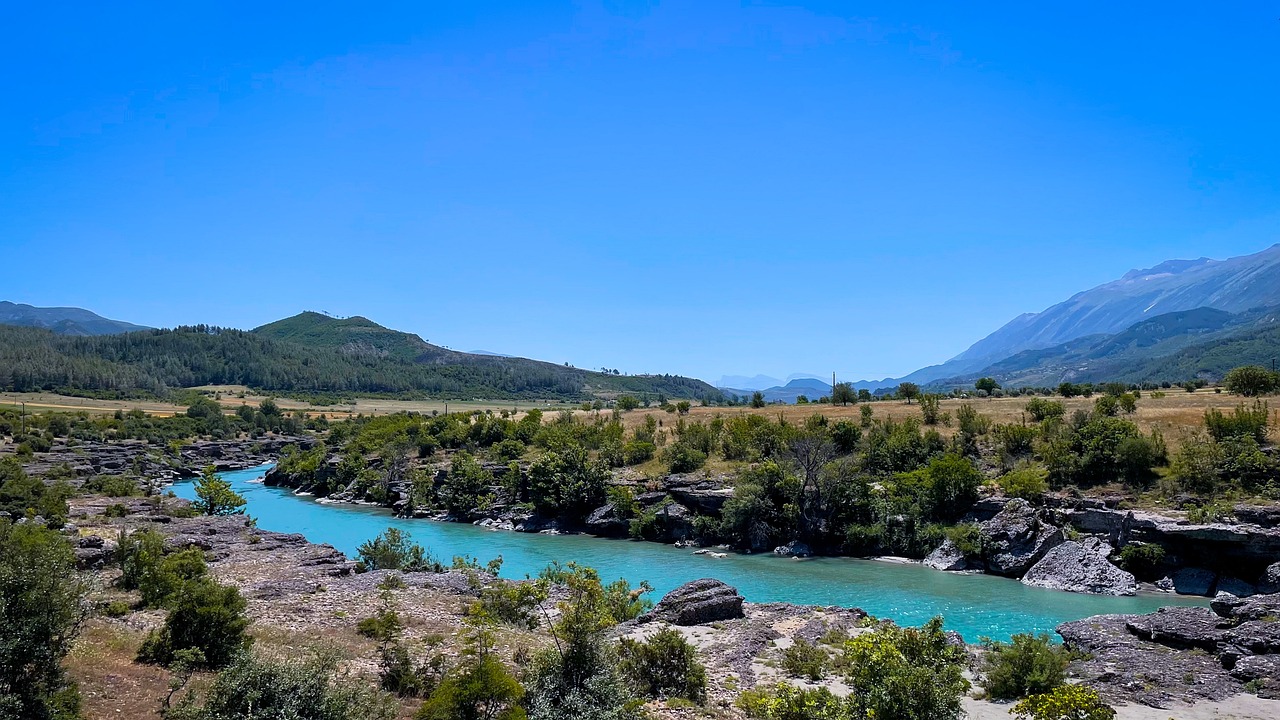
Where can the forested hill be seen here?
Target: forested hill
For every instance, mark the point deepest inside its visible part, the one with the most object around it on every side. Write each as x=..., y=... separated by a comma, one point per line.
x=360, y=336
x=156, y=361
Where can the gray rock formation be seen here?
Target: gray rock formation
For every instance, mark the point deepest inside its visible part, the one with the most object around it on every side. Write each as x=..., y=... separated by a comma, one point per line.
x=947, y=557
x=1016, y=538
x=1081, y=567
x=795, y=548
x=698, y=602
x=1269, y=581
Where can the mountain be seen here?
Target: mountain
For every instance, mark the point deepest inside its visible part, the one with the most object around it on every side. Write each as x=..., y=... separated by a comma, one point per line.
x=742, y=382
x=810, y=387
x=1233, y=285
x=62, y=320
x=306, y=353
x=1173, y=346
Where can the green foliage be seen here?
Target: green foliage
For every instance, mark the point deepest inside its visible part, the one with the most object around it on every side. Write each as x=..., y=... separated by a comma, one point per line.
x=1041, y=409
x=304, y=354
x=908, y=391
x=140, y=553
x=663, y=666
x=1251, y=381
x=1098, y=449
x=480, y=688
x=163, y=579
x=516, y=603
x=202, y=615
x=258, y=687
x=1015, y=441
x=113, y=485
x=906, y=673
x=682, y=457
x=930, y=408
x=394, y=549
x=1142, y=560
x=987, y=385
x=22, y=495
x=1028, y=483
x=1027, y=665
x=42, y=606
x=788, y=702
x=467, y=486
x=967, y=537
x=843, y=393
x=1251, y=422
x=1068, y=702
x=804, y=659
x=567, y=482
x=214, y=495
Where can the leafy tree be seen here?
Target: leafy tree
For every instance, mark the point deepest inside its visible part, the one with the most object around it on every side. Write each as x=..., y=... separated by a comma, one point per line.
x=567, y=482
x=843, y=393
x=257, y=687
x=42, y=607
x=466, y=488
x=202, y=615
x=682, y=407
x=214, y=495
x=1041, y=409
x=987, y=385
x=627, y=402
x=908, y=391
x=22, y=494
x=788, y=702
x=480, y=688
x=1252, y=422
x=394, y=549
x=1028, y=483
x=1251, y=381
x=161, y=582
x=1027, y=665
x=930, y=408
x=757, y=399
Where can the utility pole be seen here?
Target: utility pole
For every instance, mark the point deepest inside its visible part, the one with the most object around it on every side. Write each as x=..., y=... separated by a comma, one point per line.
x=24, y=419
x=833, y=388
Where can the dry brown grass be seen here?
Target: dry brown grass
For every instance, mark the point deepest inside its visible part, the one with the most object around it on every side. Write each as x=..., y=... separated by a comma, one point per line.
x=1176, y=415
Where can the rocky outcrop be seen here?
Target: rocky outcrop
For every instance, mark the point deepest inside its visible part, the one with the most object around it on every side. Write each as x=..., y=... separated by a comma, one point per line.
x=795, y=548
x=1269, y=581
x=606, y=521
x=696, y=603
x=1016, y=539
x=1182, y=653
x=947, y=557
x=1194, y=581
x=1081, y=567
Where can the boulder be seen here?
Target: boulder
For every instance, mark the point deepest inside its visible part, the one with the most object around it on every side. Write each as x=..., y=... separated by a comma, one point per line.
x=1257, y=667
x=1258, y=607
x=1269, y=581
x=795, y=548
x=1016, y=538
x=698, y=602
x=947, y=557
x=1182, y=628
x=1193, y=581
x=1225, y=604
x=605, y=521
x=1081, y=567
x=1255, y=637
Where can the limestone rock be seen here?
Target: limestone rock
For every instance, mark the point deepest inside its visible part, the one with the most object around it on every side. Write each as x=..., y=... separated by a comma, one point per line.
x=947, y=557
x=1016, y=538
x=795, y=548
x=1081, y=567
x=1182, y=628
x=1269, y=582
x=1235, y=586
x=698, y=602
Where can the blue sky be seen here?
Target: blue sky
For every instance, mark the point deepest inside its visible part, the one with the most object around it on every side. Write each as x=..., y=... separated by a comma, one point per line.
x=690, y=187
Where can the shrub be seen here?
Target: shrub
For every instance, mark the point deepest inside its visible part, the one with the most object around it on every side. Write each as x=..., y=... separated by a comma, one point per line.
x=967, y=537
x=664, y=666
x=42, y=605
x=1252, y=380
x=806, y=660
x=394, y=549
x=906, y=673
x=1242, y=422
x=514, y=603
x=116, y=609
x=1028, y=483
x=787, y=702
x=1028, y=665
x=683, y=458
x=164, y=577
x=113, y=485
x=1068, y=702
x=1142, y=560
x=312, y=688
x=139, y=553
x=214, y=496
x=1015, y=440
x=203, y=615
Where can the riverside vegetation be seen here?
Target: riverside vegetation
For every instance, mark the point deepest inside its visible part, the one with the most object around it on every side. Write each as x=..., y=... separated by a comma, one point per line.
x=872, y=485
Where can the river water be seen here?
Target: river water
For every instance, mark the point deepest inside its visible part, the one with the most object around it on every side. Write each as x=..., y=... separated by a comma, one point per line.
x=973, y=605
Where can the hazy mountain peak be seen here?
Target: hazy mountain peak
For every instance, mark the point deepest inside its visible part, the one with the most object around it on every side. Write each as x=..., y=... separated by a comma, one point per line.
x=1168, y=267
x=63, y=320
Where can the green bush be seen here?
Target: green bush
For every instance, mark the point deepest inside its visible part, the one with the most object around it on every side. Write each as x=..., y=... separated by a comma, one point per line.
x=113, y=485
x=1028, y=665
x=42, y=605
x=663, y=666
x=116, y=609
x=164, y=578
x=904, y=673
x=1067, y=702
x=788, y=702
x=1142, y=560
x=394, y=549
x=205, y=616
x=805, y=660
x=312, y=688
x=1028, y=483
x=683, y=458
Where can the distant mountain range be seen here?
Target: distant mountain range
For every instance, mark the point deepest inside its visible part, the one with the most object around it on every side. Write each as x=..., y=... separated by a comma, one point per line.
x=308, y=353
x=1073, y=339
x=811, y=388
x=62, y=320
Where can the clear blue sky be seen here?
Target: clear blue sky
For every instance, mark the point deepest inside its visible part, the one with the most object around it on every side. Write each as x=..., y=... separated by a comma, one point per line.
x=691, y=187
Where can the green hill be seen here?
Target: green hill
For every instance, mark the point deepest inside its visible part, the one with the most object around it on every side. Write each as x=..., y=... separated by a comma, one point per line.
x=307, y=353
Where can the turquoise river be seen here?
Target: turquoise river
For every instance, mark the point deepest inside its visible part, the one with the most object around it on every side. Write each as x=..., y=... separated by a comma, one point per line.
x=974, y=605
